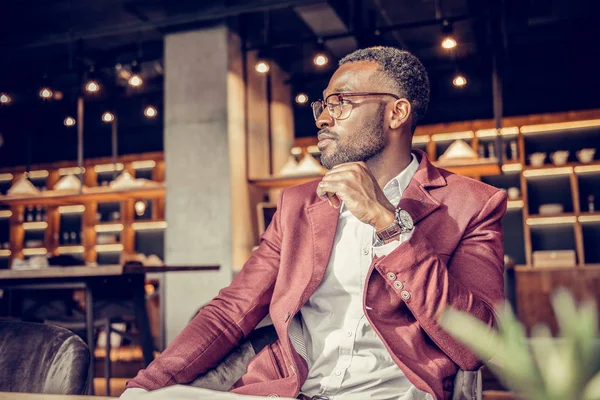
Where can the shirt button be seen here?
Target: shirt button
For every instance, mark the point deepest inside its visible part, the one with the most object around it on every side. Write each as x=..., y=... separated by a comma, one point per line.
x=405, y=295
x=349, y=333
x=398, y=285
x=391, y=276
x=273, y=395
x=365, y=251
x=338, y=373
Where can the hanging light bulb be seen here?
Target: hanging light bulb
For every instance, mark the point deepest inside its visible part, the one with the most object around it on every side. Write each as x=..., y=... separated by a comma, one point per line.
x=320, y=59
x=140, y=207
x=45, y=93
x=92, y=86
x=108, y=117
x=150, y=112
x=459, y=81
x=69, y=121
x=135, y=80
x=5, y=98
x=449, y=43
x=262, y=66
x=301, y=98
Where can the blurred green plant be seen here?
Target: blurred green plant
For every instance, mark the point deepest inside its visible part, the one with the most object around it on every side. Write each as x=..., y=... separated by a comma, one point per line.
x=541, y=367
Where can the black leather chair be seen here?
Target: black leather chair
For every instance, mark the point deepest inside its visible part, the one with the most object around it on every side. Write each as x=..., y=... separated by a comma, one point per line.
x=40, y=358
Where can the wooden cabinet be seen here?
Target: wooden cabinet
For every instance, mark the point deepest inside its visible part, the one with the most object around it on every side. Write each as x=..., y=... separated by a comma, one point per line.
x=96, y=225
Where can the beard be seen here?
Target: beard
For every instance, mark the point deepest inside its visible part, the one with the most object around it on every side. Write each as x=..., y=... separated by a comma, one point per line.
x=366, y=142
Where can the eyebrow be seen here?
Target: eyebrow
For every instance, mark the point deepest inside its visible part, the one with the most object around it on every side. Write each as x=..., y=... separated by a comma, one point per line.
x=338, y=90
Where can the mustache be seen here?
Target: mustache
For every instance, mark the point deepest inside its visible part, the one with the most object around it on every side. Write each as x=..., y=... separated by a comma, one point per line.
x=326, y=134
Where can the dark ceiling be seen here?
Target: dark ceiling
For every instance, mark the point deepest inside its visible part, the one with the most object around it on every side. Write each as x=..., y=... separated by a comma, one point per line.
x=548, y=53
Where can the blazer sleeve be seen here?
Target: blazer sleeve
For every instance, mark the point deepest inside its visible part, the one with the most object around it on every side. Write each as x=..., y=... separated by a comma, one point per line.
x=224, y=322
x=472, y=280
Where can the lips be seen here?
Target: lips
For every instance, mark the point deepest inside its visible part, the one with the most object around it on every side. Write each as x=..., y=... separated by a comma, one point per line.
x=324, y=139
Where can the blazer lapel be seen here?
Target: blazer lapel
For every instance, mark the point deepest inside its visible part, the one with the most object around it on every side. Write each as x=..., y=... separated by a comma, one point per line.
x=323, y=221
x=416, y=199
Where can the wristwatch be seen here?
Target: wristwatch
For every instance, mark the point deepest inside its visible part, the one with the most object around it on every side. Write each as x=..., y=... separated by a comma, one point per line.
x=402, y=223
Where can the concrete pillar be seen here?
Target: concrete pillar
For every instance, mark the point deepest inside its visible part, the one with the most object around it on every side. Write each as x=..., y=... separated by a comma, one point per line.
x=198, y=179
x=211, y=148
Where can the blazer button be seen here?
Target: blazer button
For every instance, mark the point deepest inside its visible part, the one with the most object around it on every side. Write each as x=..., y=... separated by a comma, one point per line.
x=391, y=276
x=398, y=285
x=405, y=295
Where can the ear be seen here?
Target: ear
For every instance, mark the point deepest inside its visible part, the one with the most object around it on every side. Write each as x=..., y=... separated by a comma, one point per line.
x=400, y=113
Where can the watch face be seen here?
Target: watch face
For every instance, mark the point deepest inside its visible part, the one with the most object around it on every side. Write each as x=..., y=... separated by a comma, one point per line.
x=405, y=219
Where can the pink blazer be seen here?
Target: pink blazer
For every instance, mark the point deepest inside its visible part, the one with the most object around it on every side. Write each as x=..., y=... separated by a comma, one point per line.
x=454, y=258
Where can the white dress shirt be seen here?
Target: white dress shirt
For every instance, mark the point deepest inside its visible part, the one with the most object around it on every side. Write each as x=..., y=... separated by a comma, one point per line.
x=347, y=360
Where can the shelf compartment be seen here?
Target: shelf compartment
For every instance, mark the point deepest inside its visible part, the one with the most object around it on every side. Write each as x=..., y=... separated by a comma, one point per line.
x=35, y=225
x=5, y=253
x=75, y=209
x=108, y=227
x=109, y=248
x=5, y=214
x=514, y=243
x=563, y=219
x=35, y=251
x=549, y=190
x=547, y=170
x=74, y=249
x=589, y=218
x=100, y=194
x=589, y=192
x=591, y=238
x=558, y=127
x=515, y=204
x=149, y=225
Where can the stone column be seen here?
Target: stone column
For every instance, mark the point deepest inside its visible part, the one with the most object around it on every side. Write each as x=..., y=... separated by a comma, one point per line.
x=198, y=176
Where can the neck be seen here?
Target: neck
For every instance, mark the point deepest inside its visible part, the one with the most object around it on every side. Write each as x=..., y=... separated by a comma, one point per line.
x=389, y=163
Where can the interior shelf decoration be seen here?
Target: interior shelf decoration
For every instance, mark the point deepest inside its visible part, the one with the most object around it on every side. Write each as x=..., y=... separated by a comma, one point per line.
x=86, y=214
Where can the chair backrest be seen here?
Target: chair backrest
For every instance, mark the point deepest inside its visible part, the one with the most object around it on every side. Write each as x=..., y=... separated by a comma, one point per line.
x=41, y=358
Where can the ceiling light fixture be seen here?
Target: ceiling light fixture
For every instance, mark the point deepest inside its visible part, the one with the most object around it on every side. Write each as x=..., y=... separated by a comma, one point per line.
x=301, y=98
x=135, y=80
x=45, y=93
x=5, y=98
x=459, y=81
x=108, y=117
x=320, y=59
x=69, y=121
x=448, y=42
x=150, y=112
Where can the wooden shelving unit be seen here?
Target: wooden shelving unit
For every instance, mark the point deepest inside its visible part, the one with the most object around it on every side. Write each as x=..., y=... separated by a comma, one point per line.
x=81, y=210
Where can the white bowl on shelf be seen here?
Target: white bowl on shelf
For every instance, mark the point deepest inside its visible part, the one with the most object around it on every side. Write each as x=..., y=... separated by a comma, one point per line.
x=551, y=209
x=559, y=157
x=537, y=159
x=586, y=155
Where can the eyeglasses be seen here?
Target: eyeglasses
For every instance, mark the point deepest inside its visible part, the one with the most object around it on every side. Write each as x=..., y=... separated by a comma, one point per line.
x=338, y=106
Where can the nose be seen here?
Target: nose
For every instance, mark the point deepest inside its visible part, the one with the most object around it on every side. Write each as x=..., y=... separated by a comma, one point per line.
x=324, y=120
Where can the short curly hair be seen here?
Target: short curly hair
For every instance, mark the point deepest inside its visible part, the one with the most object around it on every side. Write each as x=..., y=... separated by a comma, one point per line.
x=406, y=72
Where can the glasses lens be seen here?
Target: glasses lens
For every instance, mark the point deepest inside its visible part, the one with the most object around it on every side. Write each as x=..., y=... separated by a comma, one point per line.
x=317, y=107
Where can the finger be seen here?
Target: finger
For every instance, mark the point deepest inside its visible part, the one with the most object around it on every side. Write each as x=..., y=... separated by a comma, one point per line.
x=334, y=200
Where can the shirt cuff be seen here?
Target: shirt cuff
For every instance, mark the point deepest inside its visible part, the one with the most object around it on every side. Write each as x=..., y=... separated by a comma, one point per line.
x=133, y=393
x=385, y=249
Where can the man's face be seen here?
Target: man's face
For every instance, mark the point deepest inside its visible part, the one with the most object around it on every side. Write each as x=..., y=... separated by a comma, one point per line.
x=360, y=135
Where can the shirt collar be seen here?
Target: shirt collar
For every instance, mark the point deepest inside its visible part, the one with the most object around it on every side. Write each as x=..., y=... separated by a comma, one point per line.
x=397, y=185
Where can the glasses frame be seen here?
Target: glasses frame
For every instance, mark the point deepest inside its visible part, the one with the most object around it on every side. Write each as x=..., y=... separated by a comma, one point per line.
x=342, y=101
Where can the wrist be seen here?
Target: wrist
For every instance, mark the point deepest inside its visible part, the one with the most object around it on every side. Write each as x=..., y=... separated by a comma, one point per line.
x=384, y=219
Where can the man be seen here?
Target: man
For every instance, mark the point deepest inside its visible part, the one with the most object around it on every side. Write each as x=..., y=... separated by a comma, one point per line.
x=356, y=268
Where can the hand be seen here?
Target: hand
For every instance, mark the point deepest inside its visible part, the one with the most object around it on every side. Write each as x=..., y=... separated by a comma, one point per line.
x=354, y=184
